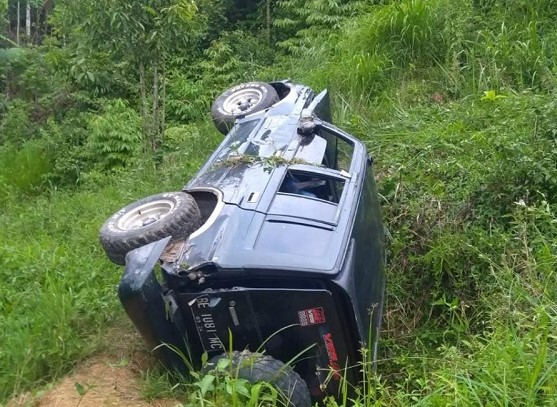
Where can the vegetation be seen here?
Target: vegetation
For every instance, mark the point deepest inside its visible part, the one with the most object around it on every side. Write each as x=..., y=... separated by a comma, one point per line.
x=104, y=102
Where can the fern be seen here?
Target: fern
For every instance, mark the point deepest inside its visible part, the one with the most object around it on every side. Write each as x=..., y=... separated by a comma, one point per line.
x=308, y=20
x=116, y=135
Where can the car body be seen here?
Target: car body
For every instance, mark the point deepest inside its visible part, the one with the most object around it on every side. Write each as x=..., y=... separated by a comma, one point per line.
x=289, y=259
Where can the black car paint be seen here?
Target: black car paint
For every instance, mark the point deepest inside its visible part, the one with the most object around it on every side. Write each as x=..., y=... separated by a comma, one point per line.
x=262, y=267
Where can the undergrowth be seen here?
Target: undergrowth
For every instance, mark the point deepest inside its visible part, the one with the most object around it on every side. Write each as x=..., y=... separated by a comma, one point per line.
x=59, y=290
x=455, y=100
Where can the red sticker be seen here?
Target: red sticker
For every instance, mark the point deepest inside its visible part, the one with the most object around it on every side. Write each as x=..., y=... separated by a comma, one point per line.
x=332, y=354
x=312, y=316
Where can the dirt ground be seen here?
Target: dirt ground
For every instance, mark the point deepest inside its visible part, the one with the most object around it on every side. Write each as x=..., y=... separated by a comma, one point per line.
x=110, y=378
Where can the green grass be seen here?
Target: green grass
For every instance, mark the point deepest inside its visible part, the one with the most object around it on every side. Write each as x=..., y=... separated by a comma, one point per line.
x=455, y=100
x=58, y=287
x=469, y=204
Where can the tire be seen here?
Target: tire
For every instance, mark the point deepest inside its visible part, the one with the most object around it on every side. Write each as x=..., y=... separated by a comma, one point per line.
x=150, y=219
x=255, y=367
x=241, y=100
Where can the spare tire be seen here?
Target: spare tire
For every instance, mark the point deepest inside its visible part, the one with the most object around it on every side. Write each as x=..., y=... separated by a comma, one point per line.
x=241, y=100
x=150, y=219
x=256, y=367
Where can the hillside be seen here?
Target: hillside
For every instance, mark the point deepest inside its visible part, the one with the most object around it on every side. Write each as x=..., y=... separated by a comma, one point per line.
x=105, y=102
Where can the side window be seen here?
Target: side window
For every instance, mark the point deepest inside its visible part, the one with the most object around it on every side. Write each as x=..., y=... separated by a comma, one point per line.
x=312, y=185
x=339, y=152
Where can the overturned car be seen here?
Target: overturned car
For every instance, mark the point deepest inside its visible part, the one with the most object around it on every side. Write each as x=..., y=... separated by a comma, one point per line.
x=274, y=249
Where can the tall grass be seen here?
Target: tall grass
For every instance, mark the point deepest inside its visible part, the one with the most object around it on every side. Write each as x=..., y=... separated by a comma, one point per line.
x=468, y=181
x=456, y=48
x=58, y=288
x=469, y=200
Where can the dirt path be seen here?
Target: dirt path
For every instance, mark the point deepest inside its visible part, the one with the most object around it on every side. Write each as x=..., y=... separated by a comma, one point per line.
x=111, y=378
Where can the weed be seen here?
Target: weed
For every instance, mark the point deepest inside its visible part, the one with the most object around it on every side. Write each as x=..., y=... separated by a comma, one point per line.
x=268, y=163
x=468, y=180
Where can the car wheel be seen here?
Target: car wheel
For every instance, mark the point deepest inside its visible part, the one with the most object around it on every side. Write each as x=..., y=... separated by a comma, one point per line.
x=256, y=367
x=150, y=219
x=241, y=100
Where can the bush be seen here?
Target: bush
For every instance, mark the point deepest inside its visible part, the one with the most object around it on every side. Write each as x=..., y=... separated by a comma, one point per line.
x=115, y=136
x=187, y=98
x=16, y=127
x=451, y=177
x=23, y=168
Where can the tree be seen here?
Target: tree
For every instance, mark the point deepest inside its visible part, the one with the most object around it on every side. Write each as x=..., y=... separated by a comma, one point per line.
x=3, y=10
x=137, y=35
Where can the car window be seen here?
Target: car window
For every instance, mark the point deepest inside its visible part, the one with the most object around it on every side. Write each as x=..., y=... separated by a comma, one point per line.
x=312, y=185
x=339, y=151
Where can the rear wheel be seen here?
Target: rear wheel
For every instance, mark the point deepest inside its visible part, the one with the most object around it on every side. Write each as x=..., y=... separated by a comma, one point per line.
x=255, y=367
x=150, y=219
x=241, y=100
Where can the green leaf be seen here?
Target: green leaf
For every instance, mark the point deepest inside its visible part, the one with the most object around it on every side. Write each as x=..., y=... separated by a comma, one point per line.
x=242, y=387
x=222, y=364
x=80, y=388
x=204, y=358
x=206, y=384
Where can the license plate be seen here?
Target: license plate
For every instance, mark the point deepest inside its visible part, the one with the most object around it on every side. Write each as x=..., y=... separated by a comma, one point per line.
x=205, y=324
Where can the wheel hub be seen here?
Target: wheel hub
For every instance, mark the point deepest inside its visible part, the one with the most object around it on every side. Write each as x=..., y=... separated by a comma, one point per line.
x=242, y=101
x=146, y=214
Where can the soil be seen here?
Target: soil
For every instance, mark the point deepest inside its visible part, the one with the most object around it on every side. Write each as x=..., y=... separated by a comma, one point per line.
x=110, y=378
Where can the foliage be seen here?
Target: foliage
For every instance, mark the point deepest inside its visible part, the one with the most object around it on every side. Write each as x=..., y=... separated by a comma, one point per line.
x=470, y=209
x=454, y=100
x=115, y=136
x=188, y=99
x=142, y=35
x=16, y=127
x=233, y=58
x=307, y=21
x=42, y=291
x=34, y=76
x=222, y=386
x=23, y=169
x=456, y=47
x=58, y=287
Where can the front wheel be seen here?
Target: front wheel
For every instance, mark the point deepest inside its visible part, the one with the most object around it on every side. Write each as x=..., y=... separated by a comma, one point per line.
x=150, y=219
x=256, y=367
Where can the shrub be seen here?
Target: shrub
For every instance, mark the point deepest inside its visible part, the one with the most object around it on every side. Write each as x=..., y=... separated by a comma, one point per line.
x=115, y=136
x=16, y=127
x=23, y=168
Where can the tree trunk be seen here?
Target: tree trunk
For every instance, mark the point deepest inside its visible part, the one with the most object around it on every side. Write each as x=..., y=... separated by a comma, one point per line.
x=155, y=112
x=18, y=24
x=28, y=21
x=48, y=5
x=269, y=22
x=143, y=92
x=163, y=104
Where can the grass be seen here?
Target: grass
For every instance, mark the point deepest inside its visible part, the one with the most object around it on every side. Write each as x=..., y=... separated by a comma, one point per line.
x=455, y=100
x=59, y=290
x=57, y=287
